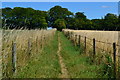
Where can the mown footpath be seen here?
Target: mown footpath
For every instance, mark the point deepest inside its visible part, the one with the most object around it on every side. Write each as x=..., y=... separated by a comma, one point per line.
x=76, y=61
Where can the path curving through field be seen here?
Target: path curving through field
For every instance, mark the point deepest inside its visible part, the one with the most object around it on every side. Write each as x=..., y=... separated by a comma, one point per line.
x=64, y=71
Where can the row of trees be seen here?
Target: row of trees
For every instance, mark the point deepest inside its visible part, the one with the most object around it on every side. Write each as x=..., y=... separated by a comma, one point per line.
x=56, y=17
x=19, y=17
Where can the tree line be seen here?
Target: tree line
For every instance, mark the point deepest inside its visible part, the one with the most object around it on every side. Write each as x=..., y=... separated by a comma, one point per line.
x=56, y=17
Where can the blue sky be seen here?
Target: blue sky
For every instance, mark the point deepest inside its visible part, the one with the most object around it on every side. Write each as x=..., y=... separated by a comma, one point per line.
x=91, y=9
x=60, y=0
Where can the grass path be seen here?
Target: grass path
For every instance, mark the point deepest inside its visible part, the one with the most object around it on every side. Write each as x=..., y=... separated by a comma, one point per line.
x=64, y=72
x=75, y=61
x=58, y=59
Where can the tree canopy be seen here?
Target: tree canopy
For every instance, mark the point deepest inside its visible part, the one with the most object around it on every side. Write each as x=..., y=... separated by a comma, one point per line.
x=28, y=18
x=58, y=12
x=60, y=24
x=56, y=17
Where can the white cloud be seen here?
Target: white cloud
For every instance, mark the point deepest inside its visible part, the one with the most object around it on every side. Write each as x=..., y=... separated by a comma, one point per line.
x=105, y=6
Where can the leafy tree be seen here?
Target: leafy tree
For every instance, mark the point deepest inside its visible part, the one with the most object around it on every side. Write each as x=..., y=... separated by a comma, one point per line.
x=60, y=24
x=110, y=22
x=70, y=22
x=78, y=24
x=56, y=17
x=110, y=16
x=79, y=21
x=97, y=24
x=58, y=12
x=29, y=18
x=119, y=22
x=80, y=15
x=88, y=25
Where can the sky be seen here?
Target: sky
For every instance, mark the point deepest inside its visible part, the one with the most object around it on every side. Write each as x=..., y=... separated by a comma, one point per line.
x=60, y=0
x=92, y=10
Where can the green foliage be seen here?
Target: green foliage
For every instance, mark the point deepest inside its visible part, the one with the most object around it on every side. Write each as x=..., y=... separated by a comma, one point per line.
x=57, y=12
x=109, y=22
x=105, y=63
x=79, y=21
x=80, y=15
x=60, y=24
x=107, y=68
x=19, y=17
x=29, y=18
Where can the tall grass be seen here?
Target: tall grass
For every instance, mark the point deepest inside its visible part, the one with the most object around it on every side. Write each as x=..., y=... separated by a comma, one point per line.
x=43, y=65
x=37, y=38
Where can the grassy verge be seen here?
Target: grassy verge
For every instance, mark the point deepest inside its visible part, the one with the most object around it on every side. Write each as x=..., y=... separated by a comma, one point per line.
x=75, y=61
x=45, y=64
x=29, y=43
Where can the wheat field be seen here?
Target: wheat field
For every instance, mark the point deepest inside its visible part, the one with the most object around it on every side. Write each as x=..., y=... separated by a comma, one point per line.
x=104, y=40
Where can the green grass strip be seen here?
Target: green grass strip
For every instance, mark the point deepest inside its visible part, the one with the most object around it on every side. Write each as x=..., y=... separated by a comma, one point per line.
x=76, y=61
